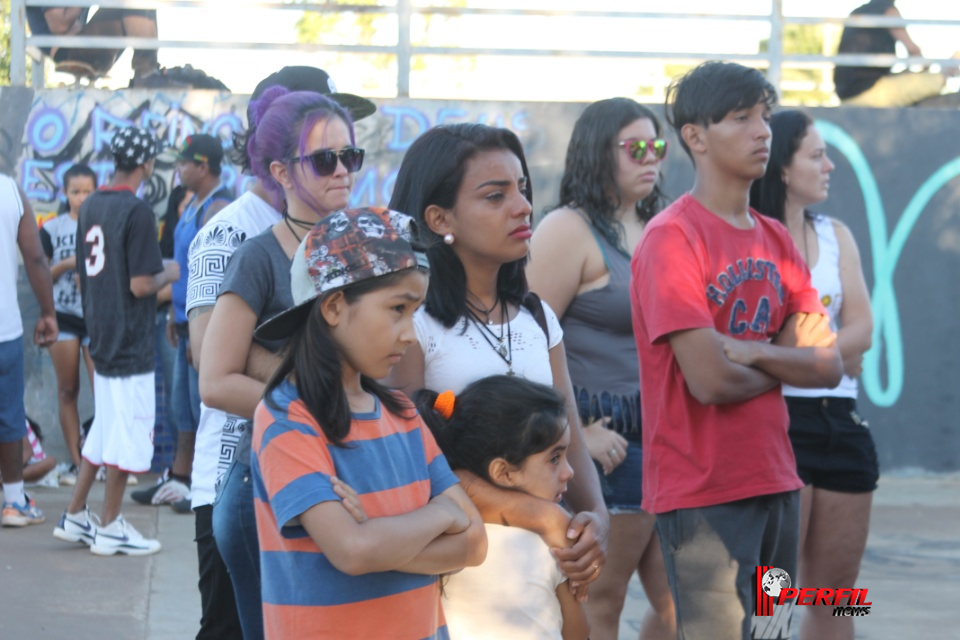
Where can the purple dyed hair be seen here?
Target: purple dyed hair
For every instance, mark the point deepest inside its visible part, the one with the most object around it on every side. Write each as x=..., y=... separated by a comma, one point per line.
x=284, y=121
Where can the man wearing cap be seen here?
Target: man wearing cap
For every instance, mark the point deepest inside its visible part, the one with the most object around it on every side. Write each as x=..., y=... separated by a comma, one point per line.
x=120, y=270
x=198, y=165
x=218, y=434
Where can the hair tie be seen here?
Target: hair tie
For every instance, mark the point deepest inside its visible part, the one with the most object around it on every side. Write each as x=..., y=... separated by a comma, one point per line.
x=444, y=404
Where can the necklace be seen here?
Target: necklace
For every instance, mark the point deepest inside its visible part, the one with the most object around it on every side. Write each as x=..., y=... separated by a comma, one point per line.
x=505, y=351
x=286, y=221
x=303, y=224
x=806, y=251
x=479, y=309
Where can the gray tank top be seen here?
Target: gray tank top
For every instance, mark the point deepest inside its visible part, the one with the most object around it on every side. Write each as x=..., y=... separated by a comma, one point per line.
x=601, y=352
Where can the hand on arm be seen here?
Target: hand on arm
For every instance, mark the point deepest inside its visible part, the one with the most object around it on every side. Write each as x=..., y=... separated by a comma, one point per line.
x=453, y=550
x=711, y=376
x=379, y=544
x=590, y=527
x=38, y=273
x=803, y=354
x=261, y=363
x=224, y=383
x=143, y=286
x=62, y=267
x=602, y=442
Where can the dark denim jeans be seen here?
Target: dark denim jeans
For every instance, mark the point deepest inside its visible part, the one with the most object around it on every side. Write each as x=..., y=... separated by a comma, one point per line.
x=235, y=529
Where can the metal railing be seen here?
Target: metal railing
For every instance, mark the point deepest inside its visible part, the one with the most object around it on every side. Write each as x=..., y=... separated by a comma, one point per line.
x=773, y=60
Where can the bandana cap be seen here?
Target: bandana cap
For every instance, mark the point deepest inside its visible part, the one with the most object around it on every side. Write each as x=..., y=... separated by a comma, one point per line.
x=133, y=146
x=345, y=248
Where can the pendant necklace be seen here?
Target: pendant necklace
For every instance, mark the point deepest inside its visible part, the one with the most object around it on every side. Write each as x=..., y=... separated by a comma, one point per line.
x=496, y=342
x=473, y=307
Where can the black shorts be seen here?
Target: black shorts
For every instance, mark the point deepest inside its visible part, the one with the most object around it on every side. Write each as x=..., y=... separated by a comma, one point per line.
x=832, y=444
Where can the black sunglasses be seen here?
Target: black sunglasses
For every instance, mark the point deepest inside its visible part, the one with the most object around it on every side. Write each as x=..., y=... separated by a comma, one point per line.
x=325, y=161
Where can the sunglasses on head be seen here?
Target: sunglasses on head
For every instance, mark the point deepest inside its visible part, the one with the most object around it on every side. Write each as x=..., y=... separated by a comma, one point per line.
x=325, y=161
x=637, y=149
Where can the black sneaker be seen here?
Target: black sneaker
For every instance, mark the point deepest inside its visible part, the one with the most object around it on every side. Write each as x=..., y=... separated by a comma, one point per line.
x=182, y=506
x=145, y=496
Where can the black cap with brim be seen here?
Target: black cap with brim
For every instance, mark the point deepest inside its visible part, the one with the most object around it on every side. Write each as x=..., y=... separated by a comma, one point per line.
x=303, y=78
x=283, y=325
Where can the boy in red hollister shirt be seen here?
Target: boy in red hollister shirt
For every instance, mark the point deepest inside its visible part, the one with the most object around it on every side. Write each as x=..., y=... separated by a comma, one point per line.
x=723, y=313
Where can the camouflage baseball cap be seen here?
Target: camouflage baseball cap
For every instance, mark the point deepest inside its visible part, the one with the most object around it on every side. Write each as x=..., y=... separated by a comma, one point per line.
x=344, y=248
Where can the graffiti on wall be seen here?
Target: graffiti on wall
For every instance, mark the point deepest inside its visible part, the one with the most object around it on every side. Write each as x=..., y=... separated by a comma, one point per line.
x=68, y=127
x=887, y=351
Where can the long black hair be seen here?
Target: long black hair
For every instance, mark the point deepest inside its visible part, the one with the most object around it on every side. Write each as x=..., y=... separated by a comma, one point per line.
x=589, y=175
x=431, y=174
x=312, y=355
x=495, y=417
x=768, y=195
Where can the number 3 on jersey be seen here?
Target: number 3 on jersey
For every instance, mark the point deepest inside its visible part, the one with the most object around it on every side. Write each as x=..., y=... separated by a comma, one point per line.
x=97, y=258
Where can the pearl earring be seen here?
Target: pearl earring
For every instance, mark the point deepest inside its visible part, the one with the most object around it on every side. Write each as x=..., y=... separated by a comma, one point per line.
x=448, y=239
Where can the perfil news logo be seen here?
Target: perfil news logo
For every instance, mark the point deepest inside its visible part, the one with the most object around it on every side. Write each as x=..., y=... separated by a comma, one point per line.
x=774, y=587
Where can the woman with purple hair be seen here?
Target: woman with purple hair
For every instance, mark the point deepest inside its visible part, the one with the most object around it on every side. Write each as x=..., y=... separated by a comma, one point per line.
x=303, y=151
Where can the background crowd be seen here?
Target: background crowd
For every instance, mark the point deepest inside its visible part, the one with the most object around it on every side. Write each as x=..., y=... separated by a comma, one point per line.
x=439, y=419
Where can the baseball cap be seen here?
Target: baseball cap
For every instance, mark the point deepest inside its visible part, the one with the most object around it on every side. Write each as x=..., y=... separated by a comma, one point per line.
x=344, y=248
x=202, y=147
x=133, y=146
x=301, y=78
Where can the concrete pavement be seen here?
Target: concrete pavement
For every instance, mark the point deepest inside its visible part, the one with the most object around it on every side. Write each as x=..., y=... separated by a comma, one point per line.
x=52, y=590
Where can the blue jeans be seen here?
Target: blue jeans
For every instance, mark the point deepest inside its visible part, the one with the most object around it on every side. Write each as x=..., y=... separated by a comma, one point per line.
x=186, y=391
x=13, y=416
x=235, y=530
x=168, y=359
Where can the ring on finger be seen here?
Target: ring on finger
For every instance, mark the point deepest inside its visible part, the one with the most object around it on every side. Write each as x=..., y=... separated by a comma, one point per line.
x=614, y=452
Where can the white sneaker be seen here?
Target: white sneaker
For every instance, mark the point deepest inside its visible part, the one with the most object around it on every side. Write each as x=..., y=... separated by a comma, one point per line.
x=68, y=474
x=121, y=537
x=102, y=477
x=170, y=491
x=77, y=527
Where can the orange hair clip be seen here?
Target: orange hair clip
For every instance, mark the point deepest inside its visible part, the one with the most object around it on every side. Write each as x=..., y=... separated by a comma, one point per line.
x=444, y=404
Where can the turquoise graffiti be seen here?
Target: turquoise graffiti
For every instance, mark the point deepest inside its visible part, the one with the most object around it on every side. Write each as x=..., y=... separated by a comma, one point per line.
x=886, y=250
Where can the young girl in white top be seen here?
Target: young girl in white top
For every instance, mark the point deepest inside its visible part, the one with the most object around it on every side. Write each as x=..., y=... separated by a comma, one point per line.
x=514, y=434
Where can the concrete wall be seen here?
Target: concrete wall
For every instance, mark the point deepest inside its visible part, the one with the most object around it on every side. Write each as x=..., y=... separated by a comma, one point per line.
x=894, y=187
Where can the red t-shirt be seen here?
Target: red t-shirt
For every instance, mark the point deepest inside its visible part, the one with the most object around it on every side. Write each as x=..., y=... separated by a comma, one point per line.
x=693, y=270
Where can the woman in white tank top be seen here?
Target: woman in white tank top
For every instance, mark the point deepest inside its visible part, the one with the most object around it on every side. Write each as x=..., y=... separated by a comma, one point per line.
x=836, y=457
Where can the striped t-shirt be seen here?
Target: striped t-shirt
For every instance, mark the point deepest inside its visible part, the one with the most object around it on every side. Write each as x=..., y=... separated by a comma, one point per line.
x=396, y=467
